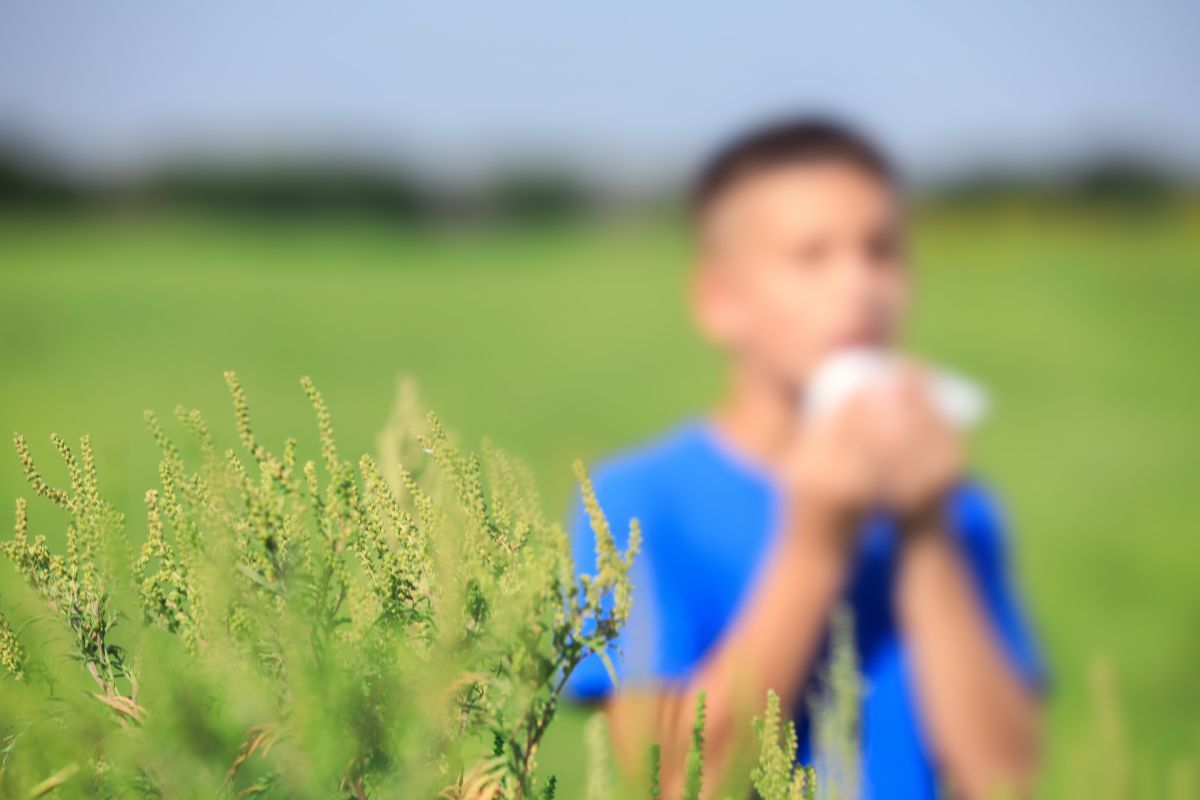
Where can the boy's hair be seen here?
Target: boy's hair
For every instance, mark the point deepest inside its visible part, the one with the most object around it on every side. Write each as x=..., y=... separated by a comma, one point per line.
x=793, y=140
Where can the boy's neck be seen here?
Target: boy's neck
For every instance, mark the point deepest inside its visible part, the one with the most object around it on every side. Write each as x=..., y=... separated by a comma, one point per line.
x=758, y=415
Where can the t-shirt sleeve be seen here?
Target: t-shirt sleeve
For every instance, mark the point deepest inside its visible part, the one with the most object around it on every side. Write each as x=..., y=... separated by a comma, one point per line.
x=621, y=499
x=984, y=535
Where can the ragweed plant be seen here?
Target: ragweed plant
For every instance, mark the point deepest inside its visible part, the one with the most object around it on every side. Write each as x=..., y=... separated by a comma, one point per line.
x=777, y=775
x=835, y=711
x=300, y=627
x=12, y=655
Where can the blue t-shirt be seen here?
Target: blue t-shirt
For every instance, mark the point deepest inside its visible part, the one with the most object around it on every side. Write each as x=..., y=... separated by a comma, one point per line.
x=708, y=520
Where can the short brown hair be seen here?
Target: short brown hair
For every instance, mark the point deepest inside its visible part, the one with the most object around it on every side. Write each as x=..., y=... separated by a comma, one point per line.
x=784, y=142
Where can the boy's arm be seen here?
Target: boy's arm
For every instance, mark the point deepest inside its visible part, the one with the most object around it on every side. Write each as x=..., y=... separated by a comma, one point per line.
x=775, y=637
x=771, y=645
x=981, y=715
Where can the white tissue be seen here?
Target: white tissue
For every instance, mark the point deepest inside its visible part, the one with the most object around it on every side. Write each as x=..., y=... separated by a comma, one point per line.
x=962, y=402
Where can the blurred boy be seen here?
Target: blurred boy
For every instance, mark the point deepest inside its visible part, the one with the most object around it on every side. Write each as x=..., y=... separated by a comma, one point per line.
x=758, y=523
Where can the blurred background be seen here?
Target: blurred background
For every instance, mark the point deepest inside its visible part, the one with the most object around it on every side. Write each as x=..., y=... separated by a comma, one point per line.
x=486, y=197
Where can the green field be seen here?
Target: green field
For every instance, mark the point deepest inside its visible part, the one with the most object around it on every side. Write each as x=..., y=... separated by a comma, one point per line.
x=571, y=343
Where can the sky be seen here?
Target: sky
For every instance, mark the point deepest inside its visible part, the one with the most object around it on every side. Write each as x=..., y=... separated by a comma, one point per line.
x=631, y=89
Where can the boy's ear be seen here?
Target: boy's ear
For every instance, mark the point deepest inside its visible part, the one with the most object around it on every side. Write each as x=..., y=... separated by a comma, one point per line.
x=714, y=304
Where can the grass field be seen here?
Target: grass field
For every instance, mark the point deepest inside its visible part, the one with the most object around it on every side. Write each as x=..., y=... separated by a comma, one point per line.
x=571, y=343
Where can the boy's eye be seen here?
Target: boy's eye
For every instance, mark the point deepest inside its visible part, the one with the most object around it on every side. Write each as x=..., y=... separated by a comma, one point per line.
x=883, y=248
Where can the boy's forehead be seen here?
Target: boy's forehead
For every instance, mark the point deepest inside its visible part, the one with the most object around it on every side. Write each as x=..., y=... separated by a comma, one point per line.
x=794, y=196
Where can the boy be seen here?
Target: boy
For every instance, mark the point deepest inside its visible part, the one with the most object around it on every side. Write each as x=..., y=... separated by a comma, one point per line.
x=758, y=523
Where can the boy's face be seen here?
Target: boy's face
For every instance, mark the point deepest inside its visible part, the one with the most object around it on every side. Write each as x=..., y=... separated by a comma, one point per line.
x=799, y=261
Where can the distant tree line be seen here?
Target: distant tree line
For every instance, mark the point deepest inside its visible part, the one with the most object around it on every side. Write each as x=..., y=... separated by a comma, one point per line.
x=298, y=188
x=1114, y=181
x=519, y=194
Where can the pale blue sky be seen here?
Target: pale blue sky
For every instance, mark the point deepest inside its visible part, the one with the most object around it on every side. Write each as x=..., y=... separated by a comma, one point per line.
x=633, y=88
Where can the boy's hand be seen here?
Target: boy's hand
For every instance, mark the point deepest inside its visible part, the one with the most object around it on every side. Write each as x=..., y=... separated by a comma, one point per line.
x=833, y=473
x=920, y=454
x=887, y=447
